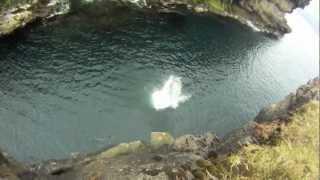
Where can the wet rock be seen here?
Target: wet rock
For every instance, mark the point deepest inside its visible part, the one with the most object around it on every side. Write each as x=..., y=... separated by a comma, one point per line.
x=158, y=139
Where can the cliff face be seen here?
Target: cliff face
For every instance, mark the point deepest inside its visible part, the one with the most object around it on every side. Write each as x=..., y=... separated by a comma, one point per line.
x=266, y=16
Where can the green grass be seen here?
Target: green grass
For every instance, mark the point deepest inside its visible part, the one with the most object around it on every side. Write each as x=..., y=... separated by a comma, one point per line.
x=294, y=157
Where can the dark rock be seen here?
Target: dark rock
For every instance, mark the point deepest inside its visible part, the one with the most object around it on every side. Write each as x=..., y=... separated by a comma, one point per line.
x=159, y=157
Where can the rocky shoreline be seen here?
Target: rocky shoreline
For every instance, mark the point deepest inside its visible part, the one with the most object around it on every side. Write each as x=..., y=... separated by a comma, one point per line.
x=165, y=157
x=267, y=16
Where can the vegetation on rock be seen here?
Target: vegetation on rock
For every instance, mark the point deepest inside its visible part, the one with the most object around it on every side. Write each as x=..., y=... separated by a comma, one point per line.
x=293, y=153
x=10, y=3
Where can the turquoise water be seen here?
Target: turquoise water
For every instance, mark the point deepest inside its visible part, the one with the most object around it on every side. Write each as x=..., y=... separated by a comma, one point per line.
x=78, y=87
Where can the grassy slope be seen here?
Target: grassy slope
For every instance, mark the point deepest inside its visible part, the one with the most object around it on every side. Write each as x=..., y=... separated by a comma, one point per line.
x=294, y=155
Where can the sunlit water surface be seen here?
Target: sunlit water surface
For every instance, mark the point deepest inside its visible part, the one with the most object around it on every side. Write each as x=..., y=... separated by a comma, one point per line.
x=77, y=88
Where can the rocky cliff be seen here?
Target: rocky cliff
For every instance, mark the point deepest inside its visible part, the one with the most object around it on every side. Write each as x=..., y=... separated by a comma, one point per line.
x=266, y=16
x=289, y=126
x=18, y=14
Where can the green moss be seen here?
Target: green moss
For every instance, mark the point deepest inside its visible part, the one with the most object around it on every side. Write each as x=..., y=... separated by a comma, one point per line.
x=217, y=5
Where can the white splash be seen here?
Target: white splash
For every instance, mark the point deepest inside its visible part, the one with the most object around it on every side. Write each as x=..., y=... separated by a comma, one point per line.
x=169, y=95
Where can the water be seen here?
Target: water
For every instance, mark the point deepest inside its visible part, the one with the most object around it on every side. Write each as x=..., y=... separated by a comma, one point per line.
x=77, y=87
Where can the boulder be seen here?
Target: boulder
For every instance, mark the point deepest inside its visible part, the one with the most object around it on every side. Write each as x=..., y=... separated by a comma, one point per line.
x=158, y=139
x=198, y=144
x=123, y=148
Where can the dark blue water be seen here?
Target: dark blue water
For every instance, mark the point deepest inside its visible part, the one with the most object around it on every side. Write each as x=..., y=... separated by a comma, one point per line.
x=77, y=87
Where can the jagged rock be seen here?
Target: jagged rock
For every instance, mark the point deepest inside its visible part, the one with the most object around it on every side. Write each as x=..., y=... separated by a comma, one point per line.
x=158, y=139
x=199, y=144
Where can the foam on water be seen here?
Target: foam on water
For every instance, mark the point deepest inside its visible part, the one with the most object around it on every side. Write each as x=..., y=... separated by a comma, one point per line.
x=169, y=95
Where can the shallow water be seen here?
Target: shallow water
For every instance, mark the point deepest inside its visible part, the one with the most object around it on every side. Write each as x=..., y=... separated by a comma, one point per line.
x=77, y=88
